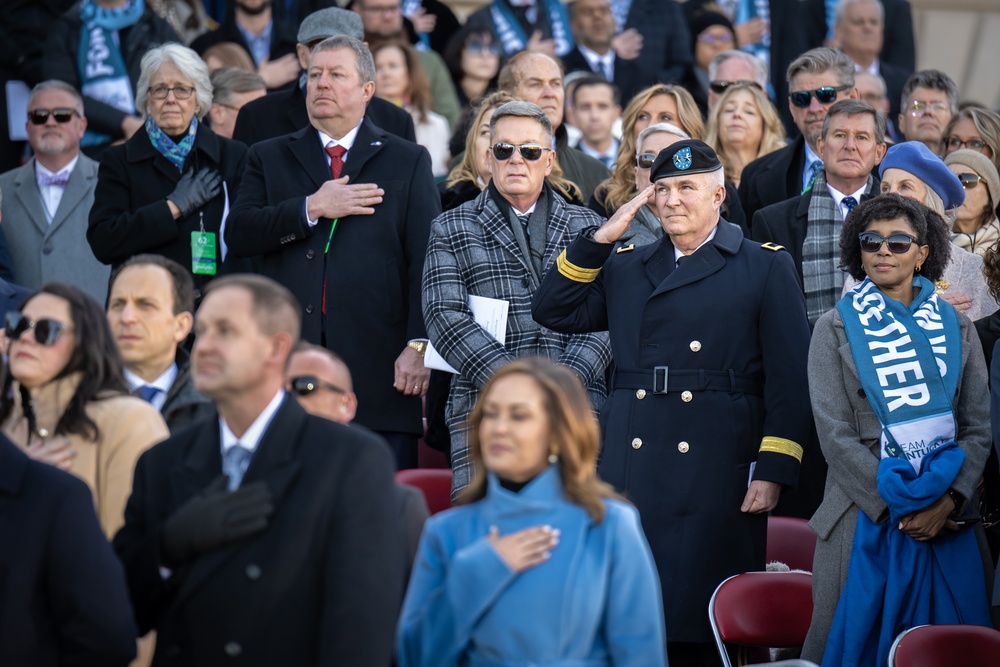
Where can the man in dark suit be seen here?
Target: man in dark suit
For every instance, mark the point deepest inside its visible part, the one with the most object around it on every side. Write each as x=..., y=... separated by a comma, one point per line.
x=269, y=41
x=817, y=79
x=295, y=556
x=703, y=429
x=64, y=600
x=860, y=30
x=284, y=111
x=353, y=259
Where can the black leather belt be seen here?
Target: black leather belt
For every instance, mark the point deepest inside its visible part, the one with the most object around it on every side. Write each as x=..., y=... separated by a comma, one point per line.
x=662, y=380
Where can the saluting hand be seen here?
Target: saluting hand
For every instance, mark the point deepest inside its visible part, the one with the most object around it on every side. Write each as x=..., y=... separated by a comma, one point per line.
x=613, y=229
x=337, y=199
x=526, y=548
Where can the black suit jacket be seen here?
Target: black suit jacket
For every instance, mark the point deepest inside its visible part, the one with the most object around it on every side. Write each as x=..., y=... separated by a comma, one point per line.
x=375, y=262
x=284, y=112
x=630, y=75
x=63, y=599
x=320, y=586
x=666, y=40
x=895, y=78
x=283, y=37
x=772, y=178
x=898, y=46
x=11, y=296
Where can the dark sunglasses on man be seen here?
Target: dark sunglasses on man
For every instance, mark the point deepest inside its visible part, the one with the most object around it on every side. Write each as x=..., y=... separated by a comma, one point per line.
x=41, y=116
x=898, y=243
x=718, y=86
x=303, y=385
x=824, y=95
x=47, y=331
x=530, y=152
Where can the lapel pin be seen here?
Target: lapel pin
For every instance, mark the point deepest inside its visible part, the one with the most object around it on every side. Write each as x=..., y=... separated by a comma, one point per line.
x=627, y=248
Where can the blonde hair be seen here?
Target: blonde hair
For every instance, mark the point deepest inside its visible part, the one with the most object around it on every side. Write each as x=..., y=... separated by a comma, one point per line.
x=573, y=433
x=620, y=187
x=772, y=136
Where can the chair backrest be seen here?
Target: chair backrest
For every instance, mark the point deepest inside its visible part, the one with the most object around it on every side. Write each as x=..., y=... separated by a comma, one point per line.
x=434, y=483
x=764, y=609
x=952, y=645
x=791, y=541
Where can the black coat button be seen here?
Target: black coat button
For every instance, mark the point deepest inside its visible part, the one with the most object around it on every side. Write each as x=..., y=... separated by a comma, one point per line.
x=253, y=572
x=232, y=649
x=310, y=254
x=524, y=282
x=47, y=249
x=309, y=308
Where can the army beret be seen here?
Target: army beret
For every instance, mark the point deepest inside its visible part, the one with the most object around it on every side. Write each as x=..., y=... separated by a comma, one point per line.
x=683, y=158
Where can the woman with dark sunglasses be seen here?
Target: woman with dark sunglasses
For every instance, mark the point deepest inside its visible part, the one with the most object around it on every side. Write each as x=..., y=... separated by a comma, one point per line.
x=976, y=227
x=64, y=401
x=896, y=380
x=473, y=57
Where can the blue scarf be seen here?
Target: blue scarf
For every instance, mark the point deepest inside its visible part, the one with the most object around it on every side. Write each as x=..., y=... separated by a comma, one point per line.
x=512, y=36
x=176, y=152
x=103, y=75
x=908, y=360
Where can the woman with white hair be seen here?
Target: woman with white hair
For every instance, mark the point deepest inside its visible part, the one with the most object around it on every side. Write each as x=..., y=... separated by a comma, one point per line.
x=168, y=189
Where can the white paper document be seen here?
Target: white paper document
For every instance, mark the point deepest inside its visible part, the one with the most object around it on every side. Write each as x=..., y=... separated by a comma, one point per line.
x=490, y=314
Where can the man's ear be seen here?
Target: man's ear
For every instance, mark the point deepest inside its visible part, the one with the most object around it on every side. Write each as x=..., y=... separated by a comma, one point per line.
x=183, y=321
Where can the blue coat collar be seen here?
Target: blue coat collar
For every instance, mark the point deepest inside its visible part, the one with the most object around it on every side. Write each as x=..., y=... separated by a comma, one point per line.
x=540, y=495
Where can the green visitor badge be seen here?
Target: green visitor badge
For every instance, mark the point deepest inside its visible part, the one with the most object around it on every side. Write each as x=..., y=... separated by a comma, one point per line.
x=203, y=253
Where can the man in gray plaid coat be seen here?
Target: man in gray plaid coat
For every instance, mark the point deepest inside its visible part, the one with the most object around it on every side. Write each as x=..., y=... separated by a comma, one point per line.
x=500, y=246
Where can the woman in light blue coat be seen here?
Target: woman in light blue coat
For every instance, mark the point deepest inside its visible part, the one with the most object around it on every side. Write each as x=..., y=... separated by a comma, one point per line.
x=543, y=564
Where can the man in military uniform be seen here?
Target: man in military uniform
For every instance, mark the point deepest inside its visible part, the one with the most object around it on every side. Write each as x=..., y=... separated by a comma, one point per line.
x=709, y=400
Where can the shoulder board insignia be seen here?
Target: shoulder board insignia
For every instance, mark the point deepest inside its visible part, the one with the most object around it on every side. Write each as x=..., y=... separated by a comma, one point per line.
x=628, y=248
x=773, y=247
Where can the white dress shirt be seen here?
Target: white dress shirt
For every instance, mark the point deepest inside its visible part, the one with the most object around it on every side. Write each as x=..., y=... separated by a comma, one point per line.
x=163, y=383
x=52, y=194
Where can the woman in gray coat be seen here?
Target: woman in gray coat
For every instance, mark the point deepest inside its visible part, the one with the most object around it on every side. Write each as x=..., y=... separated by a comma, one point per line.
x=905, y=441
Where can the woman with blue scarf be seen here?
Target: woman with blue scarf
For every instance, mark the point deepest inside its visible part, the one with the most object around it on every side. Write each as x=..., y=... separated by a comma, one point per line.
x=168, y=189
x=542, y=564
x=897, y=382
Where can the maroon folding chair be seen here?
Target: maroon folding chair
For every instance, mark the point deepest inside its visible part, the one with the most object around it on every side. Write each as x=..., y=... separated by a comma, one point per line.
x=791, y=541
x=756, y=611
x=951, y=645
x=434, y=483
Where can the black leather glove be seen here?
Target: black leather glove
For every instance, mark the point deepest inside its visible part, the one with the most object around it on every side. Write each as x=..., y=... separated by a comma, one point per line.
x=215, y=517
x=194, y=190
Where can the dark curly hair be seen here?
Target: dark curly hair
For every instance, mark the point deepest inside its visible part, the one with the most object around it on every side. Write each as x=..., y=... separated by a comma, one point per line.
x=95, y=357
x=991, y=269
x=930, y=229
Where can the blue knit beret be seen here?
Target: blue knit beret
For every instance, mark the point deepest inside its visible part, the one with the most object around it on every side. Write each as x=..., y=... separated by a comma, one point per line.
x=915, y=158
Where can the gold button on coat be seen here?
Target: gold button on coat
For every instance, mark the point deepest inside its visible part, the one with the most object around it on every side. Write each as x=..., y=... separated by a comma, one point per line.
x=686, y=396
x=695, y=346
x=683, y=447
x=636, y=443
x=640, y=394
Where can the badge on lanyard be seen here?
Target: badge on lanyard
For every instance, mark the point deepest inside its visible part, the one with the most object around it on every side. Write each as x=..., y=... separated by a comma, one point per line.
x=203, y=250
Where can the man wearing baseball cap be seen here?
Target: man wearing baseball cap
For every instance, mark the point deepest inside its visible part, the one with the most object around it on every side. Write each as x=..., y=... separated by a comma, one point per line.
x=709, y=407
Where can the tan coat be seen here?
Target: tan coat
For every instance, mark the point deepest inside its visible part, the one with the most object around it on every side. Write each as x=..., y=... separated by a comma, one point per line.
x=127, y=426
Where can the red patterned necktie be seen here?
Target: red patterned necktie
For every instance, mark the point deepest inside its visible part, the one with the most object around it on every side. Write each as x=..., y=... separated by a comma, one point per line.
x=336, y=154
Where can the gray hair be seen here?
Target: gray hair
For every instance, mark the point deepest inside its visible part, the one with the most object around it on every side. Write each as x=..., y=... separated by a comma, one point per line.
x=227, y=82
x=659, y=128
x=521, y=109
x=934, y=80
x=850, y=107
x=56, y=84
x=842, y=6
x=820, y=61
x=362, y=56
x=759, y=66
x=191, y=67
x=877, y=78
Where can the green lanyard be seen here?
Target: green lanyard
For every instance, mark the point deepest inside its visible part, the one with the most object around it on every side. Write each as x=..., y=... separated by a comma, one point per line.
x=330, y=238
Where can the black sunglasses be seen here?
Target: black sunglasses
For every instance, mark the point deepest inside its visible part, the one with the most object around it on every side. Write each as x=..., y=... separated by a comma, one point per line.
x=41, y=116
x=530, y=152
x=304, y=385
x=477, y=46
x=824, y=95
x=645, y=160
x=970, y=180
x=898, y=243
x=47, y=331
x=718, y=87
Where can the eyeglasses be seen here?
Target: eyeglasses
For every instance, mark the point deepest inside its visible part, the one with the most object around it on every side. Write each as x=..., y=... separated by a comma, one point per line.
x=718, y=86
x=382, y=10
x=180, y=92
x=645, y=160
x=47, y=331
x=477, y=47
x=530, y=152
x=41, y=116
x=970, y=180
x=918, y=108
x=898, y=243
x=974, y=144
x=304, y=385
x=708, y=38
x=824, y=95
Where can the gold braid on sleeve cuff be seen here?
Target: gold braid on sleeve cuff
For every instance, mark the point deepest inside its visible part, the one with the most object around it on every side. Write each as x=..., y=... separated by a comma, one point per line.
x=791, y=448
x=573, y=272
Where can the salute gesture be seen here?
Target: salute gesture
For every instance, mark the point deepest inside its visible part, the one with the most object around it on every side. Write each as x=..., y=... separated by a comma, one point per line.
x=617, y=225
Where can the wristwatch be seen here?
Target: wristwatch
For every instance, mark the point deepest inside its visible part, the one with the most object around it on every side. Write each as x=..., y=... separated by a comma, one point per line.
x=418, y=345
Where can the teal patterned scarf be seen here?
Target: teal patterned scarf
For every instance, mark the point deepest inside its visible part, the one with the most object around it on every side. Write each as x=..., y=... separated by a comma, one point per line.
x=176, y=152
